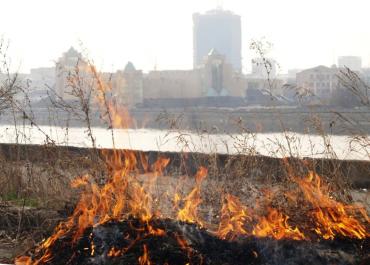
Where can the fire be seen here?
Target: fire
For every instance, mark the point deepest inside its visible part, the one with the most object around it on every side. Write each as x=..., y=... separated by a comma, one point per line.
x=113, y=252
x=332, y=217
x=275, y=225
x=144, y=259
x=24, y=260
x=121, y=195
x=189, y=213
x=233, y=218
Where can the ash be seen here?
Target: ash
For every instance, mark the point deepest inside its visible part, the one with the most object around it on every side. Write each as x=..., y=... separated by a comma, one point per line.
x=133, y=241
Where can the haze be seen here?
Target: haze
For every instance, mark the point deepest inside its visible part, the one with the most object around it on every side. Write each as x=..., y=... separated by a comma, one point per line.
x=159, y=33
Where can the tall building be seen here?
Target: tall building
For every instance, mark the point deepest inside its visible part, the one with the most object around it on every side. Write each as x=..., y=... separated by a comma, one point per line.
x=220, y=30
x=67, y=68
x=352, y=62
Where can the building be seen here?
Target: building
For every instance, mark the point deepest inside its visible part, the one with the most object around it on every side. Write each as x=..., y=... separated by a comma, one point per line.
x=173, y=84
x=40, y=81
x=128, y=86
x=69, y=68
x=321, y=81
x=365, y=75
x=214, y=77
x=219, y=77
x=264, y=68
x=263, y=91
x=221, y=30
x=352, y=62
x=216, y=73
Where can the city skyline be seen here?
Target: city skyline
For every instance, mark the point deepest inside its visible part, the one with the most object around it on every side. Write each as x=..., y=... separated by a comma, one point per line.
x=115, y=33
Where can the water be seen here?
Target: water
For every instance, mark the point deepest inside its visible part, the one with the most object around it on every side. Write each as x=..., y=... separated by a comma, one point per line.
x=270, y=144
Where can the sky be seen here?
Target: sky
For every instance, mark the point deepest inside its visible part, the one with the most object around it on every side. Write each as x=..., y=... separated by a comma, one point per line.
x=158, y=33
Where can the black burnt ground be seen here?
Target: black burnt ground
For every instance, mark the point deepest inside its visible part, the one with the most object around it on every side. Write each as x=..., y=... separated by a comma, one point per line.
x=131, y=235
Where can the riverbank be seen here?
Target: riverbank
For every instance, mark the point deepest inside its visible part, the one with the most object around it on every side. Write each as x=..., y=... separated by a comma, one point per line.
x=63, y=163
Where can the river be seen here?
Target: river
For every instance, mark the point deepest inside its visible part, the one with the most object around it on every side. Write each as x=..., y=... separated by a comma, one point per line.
x=270, y=144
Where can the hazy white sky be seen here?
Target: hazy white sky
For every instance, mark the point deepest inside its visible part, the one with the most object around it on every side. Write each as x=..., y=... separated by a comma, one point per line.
x=305, y=33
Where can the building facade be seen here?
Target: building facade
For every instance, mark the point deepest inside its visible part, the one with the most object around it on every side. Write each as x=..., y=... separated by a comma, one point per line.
x=41, y=79
x=70, y=68
x=128, y=86
x=221, y=30
x=214, y=77
x=321, y=81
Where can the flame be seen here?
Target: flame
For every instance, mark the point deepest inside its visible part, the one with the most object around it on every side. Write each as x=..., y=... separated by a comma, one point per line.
x=331, y=217
x=189, y=213
x=275, y=225
x=233, y=218
x=121, y=195
x=113, y=252
x=144, y=259
x=23, y=260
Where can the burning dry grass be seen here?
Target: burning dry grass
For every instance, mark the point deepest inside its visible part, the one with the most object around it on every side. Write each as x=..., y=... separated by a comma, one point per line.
x=125, y=196
x=166, y=186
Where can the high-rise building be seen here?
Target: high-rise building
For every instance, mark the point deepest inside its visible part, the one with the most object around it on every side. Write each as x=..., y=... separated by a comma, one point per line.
x=221, y=30
x=69, y=68
x=352, y=62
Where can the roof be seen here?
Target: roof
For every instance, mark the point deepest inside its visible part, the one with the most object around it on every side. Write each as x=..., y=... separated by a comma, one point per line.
x=72, y=52
x=319, y=68
x=129, y=67
x=220, y=11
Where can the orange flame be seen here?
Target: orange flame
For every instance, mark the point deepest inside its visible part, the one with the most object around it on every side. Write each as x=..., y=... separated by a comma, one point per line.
x=113, y=252
x=144, y=259
x=332, y=217
x=233, y=217
x=275, y=225
x=189, y=213
x=121, y=195
x=23, y=260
